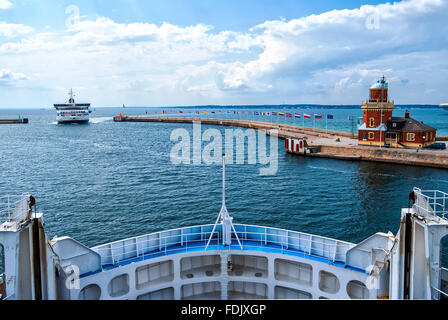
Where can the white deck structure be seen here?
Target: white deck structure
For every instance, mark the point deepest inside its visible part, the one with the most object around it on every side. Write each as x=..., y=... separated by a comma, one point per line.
x=228, y=261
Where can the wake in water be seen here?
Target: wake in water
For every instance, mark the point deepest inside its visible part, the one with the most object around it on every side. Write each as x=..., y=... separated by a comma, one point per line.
x=92, y=120
x=329, y=169
x=100, y=120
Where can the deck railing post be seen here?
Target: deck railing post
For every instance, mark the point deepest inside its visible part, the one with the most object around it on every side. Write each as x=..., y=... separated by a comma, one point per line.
x=443, y=208
x=9, y=210
x=435, y=203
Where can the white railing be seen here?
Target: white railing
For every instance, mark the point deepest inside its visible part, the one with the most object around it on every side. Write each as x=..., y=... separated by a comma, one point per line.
x=14, y=208
x=183, y=241
x=431, y=203
x=439, y=293
x=166, y=246
x=2, y=286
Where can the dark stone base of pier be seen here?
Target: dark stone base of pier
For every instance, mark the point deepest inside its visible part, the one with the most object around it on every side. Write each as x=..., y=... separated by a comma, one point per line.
x=13, y=121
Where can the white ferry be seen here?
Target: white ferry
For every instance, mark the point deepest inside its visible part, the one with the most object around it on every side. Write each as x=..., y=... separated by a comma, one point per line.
x=444, y=106
x=72, y=112
x=227, y=261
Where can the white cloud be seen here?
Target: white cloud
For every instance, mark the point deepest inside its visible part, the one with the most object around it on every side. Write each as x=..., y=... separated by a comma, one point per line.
x=327, y=58
x=5, y=4
x=13, y=30
x=7, y=77
x=340, y=36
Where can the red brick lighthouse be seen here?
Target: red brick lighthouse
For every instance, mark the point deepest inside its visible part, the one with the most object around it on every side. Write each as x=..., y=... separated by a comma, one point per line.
x=377, y=110
x=380, y=128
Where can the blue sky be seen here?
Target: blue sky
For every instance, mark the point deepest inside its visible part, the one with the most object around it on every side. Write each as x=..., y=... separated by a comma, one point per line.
x=223, y=15
x=195, y=52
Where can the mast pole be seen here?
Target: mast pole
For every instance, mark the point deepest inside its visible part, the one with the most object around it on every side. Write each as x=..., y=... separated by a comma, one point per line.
x=226, y=219
x=223, y=181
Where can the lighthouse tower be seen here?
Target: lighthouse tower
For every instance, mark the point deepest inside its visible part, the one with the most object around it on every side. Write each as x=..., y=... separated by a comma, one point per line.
x=377, y=110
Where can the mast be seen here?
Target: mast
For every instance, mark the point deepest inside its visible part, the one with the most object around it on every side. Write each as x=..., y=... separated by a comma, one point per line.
x=224, y=182
x=71, y=100
x=224, y=218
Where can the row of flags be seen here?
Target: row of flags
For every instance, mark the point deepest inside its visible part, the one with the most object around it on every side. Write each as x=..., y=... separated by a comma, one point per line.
x=255, y=113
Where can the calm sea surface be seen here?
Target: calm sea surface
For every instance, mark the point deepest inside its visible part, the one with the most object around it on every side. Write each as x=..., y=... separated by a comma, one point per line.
x=107, y=181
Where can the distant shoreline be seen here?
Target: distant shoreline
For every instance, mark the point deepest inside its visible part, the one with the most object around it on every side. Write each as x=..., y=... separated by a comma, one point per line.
x=285, y=106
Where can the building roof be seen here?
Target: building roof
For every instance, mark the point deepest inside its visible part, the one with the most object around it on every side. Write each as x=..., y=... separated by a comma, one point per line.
x=408, y=124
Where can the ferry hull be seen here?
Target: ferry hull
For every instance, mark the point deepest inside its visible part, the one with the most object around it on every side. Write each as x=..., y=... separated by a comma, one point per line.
x=73, y=121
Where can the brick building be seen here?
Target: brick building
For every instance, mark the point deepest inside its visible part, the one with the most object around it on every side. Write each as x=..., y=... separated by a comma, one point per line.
x=380, y=128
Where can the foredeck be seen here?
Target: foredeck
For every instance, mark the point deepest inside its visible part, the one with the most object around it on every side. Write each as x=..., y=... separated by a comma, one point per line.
x=251, y=238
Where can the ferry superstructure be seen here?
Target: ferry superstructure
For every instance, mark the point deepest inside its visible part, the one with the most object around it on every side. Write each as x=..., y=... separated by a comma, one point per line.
x=72, y=112
x=444, y=106
x=228, y=261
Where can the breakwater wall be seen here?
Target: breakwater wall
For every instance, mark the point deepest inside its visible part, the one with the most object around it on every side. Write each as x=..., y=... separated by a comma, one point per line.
x=415, y=157
x=322, y=142
x=258, y=125
x=14, y=121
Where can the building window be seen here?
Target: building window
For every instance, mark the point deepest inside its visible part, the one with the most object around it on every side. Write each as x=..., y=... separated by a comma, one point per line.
x=371, y=135
x=410, y=136
x=372, y=122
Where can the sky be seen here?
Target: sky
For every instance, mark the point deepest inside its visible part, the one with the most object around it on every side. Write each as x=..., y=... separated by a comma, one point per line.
x=200, y=52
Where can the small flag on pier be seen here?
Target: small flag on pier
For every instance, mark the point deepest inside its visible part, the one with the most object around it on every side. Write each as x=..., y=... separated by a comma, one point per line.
x=289, y=115
x=281, y=114
x=274, y=113
x=306, y=116
x=317, y=116
x=297, y=115
x=330, y=116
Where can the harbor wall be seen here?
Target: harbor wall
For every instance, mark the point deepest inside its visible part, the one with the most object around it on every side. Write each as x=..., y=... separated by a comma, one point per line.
x=416, y=157
x=14, y=121
x=258, y=125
